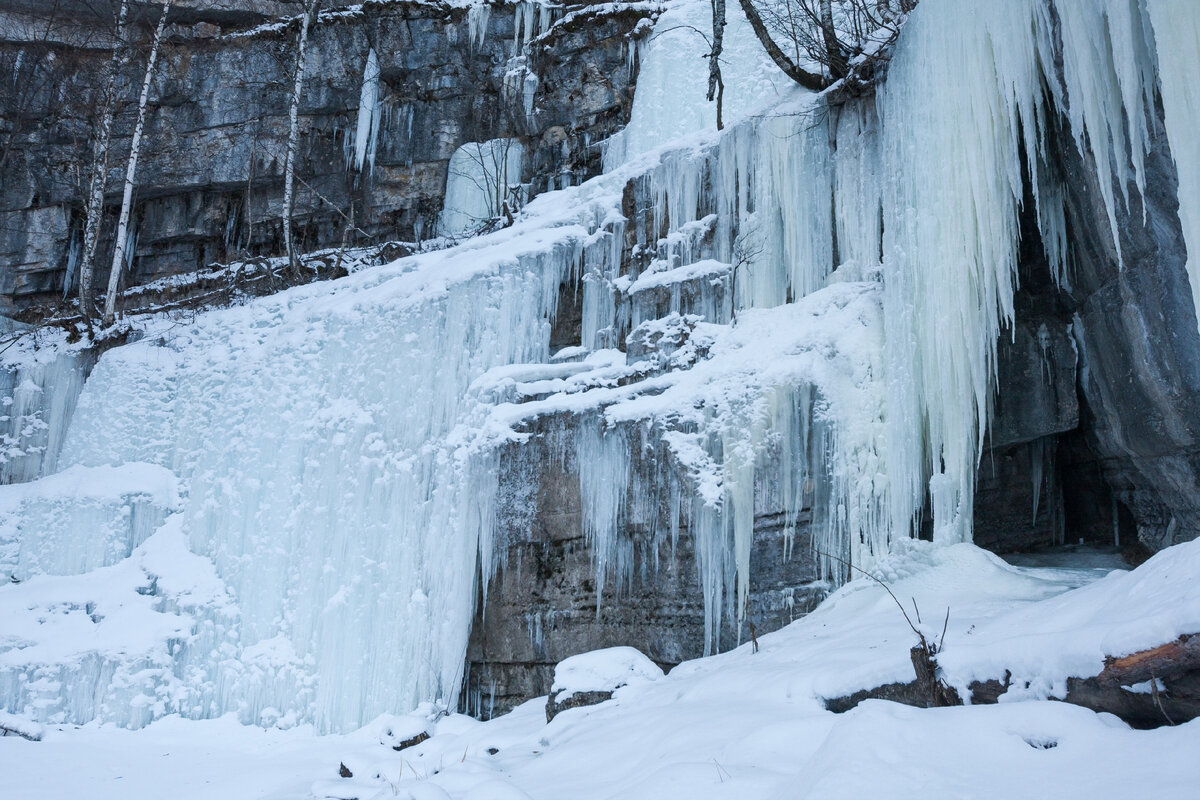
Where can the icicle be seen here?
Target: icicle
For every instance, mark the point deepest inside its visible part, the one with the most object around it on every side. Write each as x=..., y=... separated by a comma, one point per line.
x=366, y=132
x=477, y=22
x=73, y=252
x=603, y=458
x=1108, y=72
x=950, y=239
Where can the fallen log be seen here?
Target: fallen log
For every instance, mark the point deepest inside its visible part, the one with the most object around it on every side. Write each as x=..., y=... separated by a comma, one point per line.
x=1173, y=658
x=1147, y=689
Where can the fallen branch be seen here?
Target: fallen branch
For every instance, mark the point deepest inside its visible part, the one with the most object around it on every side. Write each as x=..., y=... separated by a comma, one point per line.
x=1147, y=689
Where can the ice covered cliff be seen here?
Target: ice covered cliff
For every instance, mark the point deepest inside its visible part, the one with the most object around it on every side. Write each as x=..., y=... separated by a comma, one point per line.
x=800, y=314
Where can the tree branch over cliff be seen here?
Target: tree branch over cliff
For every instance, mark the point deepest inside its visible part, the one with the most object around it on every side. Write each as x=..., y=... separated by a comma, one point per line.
x=809, y=80
x=845, y=40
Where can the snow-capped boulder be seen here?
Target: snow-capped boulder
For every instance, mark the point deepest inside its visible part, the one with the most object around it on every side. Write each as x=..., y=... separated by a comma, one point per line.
x=590, y=678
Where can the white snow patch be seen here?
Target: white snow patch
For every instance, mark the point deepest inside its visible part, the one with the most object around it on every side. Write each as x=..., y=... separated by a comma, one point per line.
x=602, y=671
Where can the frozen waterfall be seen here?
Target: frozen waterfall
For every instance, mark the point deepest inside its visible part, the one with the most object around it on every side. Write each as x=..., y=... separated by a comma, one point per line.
x=294, y=500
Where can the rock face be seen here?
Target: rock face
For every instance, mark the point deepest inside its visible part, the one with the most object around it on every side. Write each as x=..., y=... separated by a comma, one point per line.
x=544, y=605
x=210, y=180
x=1099, y=389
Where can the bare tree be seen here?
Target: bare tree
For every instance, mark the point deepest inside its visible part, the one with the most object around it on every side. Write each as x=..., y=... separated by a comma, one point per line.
x=289, y=179
x=94, y=205
x=488, y=171
x=829, y=40
x=114, y=276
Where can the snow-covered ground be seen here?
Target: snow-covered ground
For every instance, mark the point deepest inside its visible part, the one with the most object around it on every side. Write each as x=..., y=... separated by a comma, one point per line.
x=744, y=724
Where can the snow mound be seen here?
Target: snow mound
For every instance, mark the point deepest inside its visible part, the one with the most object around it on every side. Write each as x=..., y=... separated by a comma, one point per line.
x=11, y=725
x=602, y=671
x=1071, y=634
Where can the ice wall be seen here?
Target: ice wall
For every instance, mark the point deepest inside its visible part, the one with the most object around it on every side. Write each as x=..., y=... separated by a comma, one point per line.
x=669, y=103
x=39, y=388
x=314, y=438
x=919, y=193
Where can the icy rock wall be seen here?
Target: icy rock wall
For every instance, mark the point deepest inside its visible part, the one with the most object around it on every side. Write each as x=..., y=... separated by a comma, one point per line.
x=38, y=393
x=336, y=447
x=314, y=435
x=376, y=143
x=798, y=199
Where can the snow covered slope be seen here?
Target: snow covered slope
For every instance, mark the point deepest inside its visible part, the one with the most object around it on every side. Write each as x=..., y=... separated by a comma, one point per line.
x=741, y=725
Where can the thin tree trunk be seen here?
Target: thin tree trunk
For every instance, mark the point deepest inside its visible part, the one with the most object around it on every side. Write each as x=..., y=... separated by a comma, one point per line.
x=249, y=240
x=716, y=86
x=94, y=205
x=114, y=276
x=289, y=178
x=808, y=80
x=833, y=48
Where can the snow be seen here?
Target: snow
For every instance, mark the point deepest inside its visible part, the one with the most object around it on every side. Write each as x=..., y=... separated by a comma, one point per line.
x=81, y=518
x=706, y=268
x=15, y=726
x=744, y=724
x=602, y=671
x=142, y=626
x=1070, y=635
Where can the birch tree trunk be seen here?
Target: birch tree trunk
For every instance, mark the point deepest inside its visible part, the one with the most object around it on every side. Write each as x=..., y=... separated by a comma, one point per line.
x=716, y=85
x=114, y=277
x=289, y=177
x=94, y=205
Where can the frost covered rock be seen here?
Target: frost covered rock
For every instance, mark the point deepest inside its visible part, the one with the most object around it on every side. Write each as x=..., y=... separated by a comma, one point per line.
x=406, y=731
x=591, y=678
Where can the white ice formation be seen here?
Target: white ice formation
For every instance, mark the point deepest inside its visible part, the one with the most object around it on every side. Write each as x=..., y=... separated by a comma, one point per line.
x=366, y=133
x=810, y=327
x=482, y=178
